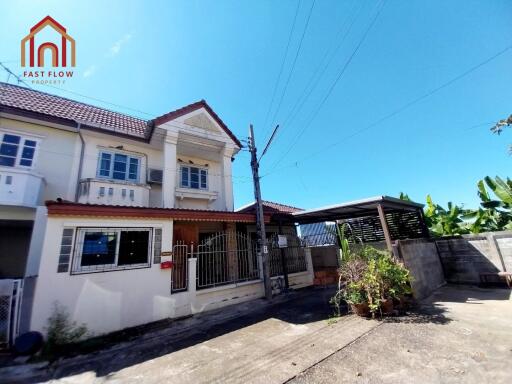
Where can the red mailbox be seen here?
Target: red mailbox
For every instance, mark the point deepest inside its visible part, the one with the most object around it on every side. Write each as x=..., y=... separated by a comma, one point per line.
x=166, y=265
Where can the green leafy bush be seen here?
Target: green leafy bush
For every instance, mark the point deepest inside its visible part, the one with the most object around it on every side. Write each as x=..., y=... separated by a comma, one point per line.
x=61, y=331
x=371, y=276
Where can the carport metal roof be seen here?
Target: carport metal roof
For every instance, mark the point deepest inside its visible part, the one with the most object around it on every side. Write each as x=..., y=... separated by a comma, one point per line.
x=355, y=209
x=380, y=206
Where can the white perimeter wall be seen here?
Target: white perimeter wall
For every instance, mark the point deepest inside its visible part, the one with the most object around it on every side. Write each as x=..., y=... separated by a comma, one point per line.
x=110, y=301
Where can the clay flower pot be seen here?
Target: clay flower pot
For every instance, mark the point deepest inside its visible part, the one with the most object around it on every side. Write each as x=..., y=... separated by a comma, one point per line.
x=403, y=302
x=387, y=307
x=361, y=309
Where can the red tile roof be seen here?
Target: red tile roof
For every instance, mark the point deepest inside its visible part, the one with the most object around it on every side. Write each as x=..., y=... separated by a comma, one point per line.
x=66, y=208
x=55, y=106
x=45, y=104
x=270, y=207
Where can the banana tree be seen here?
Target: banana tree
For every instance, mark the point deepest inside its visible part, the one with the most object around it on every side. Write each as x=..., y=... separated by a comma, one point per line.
x=442, y=222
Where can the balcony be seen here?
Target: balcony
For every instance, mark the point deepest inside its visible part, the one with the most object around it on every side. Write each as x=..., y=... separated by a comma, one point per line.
x=188, y=193
x=20, y=187
x=110, y=192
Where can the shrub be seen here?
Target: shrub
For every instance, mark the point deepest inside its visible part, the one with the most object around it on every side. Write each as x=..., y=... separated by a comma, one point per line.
x=370, y=276
x=61, y=331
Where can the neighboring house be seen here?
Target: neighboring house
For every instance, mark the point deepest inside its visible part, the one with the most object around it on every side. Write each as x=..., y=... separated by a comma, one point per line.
x=281, y=224
x=95, y=206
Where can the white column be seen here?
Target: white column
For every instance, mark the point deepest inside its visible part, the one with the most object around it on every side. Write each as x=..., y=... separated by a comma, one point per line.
x=309, y=264
x=169, y=170
x=192, y=281
x=227, y=181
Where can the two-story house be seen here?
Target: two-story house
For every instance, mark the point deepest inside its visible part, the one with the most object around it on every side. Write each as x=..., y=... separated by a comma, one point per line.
x=120, y=220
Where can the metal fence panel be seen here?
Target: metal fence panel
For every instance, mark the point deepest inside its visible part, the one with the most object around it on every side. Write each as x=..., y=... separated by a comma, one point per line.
x=294, y=255
x=10, y=306
x=179, y=279
x=226, y=258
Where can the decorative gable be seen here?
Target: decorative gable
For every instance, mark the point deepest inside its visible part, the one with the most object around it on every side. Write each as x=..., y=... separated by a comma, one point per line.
x=201, y=120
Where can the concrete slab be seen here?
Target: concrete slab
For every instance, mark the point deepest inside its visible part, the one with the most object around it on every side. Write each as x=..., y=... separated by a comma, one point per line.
x=254, y=342
x=462, y=335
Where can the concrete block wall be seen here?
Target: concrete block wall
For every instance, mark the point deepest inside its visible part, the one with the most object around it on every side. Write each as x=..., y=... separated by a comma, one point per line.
x=421, y=258
x=466, y=257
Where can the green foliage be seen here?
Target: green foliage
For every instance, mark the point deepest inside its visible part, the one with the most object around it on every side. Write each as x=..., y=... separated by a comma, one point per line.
x=494, y=213
x=61, y=331
x=370, y=276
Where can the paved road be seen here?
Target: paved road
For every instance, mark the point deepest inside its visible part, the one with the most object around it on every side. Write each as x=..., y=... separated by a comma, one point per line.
x=466, y=338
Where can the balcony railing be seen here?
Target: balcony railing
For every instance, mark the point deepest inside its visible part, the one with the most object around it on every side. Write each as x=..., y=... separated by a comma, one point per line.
x=109, y=192
x=20, y=187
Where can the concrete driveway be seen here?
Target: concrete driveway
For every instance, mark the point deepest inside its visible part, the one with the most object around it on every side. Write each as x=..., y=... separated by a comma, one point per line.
x=461, y=335
x=255, y=342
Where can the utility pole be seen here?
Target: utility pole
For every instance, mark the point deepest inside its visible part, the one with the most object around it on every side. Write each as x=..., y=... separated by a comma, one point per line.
x=260, y=222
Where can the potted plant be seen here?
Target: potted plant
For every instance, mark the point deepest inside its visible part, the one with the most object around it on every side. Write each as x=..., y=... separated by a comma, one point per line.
x=355, y=296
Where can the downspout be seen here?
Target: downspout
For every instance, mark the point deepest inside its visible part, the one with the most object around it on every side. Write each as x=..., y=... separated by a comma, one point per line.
x=81, y=162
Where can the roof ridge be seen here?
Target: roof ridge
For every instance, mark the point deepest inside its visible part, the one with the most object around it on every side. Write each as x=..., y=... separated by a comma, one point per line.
x=284, y=205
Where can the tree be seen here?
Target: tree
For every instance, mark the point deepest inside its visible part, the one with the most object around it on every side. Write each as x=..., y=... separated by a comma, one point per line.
x=494, y=213
x=498, y=127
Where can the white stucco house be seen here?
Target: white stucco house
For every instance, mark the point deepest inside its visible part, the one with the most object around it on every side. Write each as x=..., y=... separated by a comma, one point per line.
x=120, y=220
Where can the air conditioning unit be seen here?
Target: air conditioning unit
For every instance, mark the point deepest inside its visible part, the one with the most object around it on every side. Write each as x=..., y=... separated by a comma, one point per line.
x=155, y=176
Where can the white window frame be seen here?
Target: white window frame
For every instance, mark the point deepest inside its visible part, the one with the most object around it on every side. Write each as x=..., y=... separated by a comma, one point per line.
x=23, y=138
x=77, y=268
x=111, y=169
x=205, y=169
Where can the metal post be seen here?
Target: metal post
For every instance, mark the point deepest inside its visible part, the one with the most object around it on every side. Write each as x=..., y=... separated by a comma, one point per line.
x=283, y=259
x=260, y=222
x=385, y=228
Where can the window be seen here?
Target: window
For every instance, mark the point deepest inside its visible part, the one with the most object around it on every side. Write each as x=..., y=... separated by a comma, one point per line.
x=16, y=150
x=118, y=166
x=194, y=177
x=103, y=249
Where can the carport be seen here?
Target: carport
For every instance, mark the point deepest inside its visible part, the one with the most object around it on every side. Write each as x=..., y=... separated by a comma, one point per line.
x=380, y=218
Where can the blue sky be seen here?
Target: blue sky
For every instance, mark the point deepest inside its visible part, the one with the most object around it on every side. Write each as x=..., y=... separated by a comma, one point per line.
x=156, y=56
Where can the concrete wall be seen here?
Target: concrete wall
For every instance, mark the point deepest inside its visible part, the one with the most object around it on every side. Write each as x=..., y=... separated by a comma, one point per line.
x=421, y=258
x=104, y=301
x=465, y=257
x=325, y=256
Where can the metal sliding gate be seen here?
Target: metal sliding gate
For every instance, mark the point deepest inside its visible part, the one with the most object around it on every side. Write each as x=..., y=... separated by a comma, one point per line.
x=222, y=258
x=294, y=255
x=10, y=306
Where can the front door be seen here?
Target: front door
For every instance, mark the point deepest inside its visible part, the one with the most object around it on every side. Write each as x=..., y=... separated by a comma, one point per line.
x=185, y=235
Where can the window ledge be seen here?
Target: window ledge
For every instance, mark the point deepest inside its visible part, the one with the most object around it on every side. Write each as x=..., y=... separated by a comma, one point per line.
x=190, y=193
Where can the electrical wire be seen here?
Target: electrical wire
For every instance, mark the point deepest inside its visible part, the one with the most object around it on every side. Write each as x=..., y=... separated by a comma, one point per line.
x=320, y=69
x=400, y=109
x=333, y=85
x=293, y=63
x=281, y=68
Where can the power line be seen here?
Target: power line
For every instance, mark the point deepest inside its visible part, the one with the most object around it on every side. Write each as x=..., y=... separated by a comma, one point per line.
x=282, y=67
x=314, y=79
x=329, y=92
x=402, y=108
x=11, y=73
x=293, y=63
x=152, y=115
